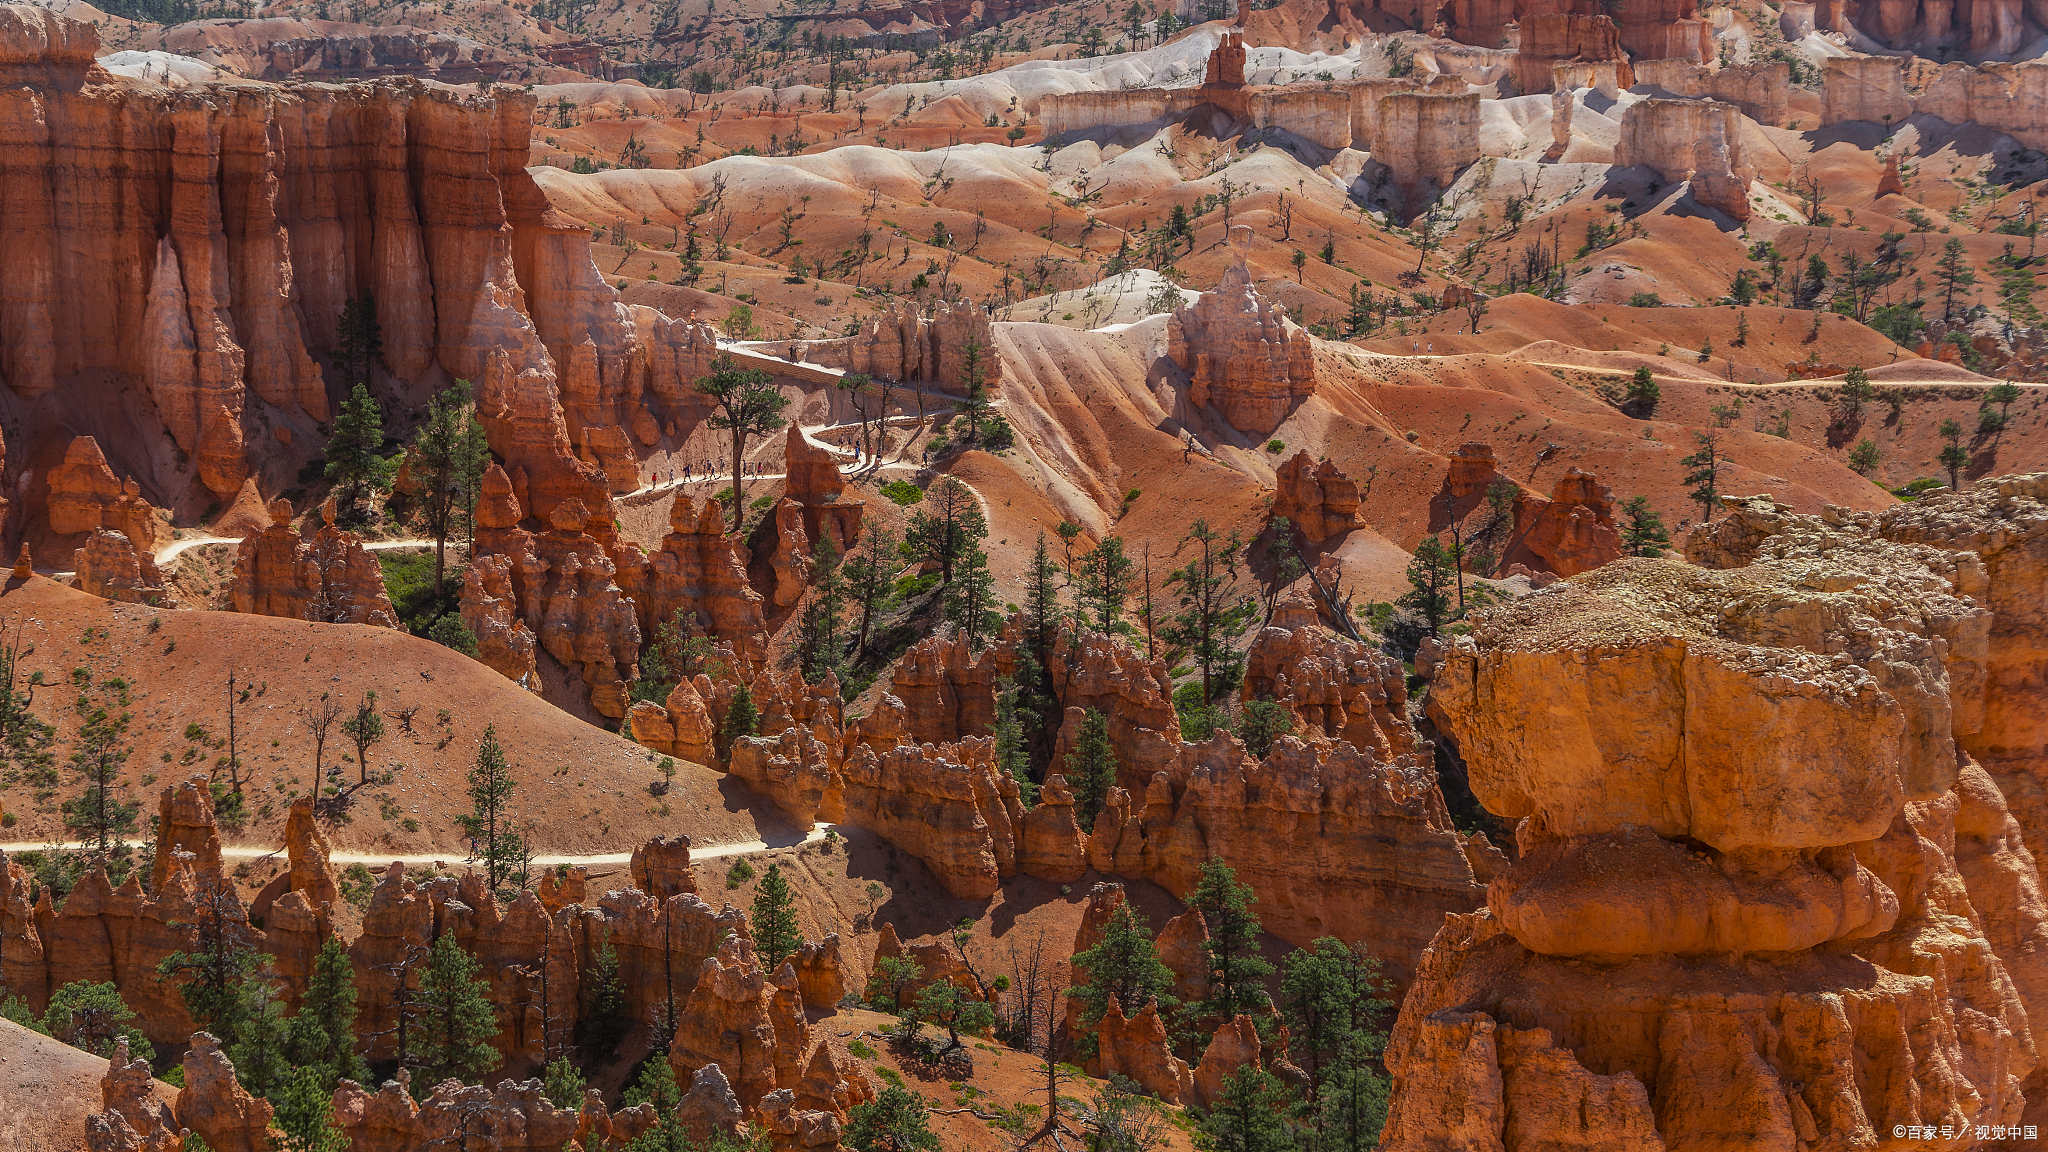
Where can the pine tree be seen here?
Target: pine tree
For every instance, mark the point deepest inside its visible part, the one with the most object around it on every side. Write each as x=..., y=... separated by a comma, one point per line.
x=457, y=1022
x=1643, y=392
x=92, y=1017
x=1432, y=582
x=656, y=1086
x=1011, y=755
x=1705, y=476
x=448, y=460
x=1237, y=971
x=1643, y=534
x=1214, y=611
x=742, y=718
x=362, y=339
x=777, y=935
x=1263, y=722
x=353, y=464
x=1091, y=768
x=605, y=1020
x=1122, y=968
x=1954, y=457
x=97, y=815
x=1330, y=999
x=973, y=407
x=970, y=600
x=215, y=971
x=260, y=1051
x=323, y=1033
x=1249, y=1116
x=948, y=1005
x=1953, y=270
x=305, y=1113
x=893, y=1122
x=947, y=527
x=870, y=579
x=821, y=647
x=744, y=404
x=25, y=739
x=1104, y=582
x=490, y=788
x=564, y=1084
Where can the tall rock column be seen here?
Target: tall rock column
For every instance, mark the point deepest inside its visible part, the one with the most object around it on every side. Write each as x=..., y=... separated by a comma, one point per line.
x=1245, y=358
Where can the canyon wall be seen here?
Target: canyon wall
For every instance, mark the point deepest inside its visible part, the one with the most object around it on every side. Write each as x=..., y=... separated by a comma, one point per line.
x=1425, y=140
x=1767, y=893
x=2008, y=98
x=286, y=49
x=229, y=223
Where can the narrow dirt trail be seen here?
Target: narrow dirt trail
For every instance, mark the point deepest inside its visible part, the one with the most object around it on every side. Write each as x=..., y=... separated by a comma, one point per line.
x=245, y=852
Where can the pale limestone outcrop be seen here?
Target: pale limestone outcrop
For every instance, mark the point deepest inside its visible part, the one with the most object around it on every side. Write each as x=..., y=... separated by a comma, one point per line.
x=2009, y=98
x=1549, y=38
x=1759, y=88
x=1244, y=357
x=109, y=566
x=1777, y=781
x=1317, y=498
x=1424, y=139
x=1690, y=140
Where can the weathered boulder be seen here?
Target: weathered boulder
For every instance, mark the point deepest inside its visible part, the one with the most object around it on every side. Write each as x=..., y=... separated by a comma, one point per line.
x=109, y=566
x=1137, y=1049
x=727, y=1022
x=490, y=610
x=85, y=494
x=1317, y=498
x=820, y=973
x=661, y=867
x=327, y=576
x=1574, y=530
x=132, y=1117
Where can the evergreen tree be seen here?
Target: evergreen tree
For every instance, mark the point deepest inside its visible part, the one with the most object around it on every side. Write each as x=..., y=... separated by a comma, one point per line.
x=892, y=974
x=457, y=1022
x=1432, y=582
x=1214, y=611
x=323, y=1033
x=490, y=789
x=305, y=1113
x=1249, y=1116
x=26, y=741
x=1123, y=968
x=676, y=653
x=448, y=460
x=1643, y=392
x=1091, y=768
x=97, y=815
x=656, y=1085
x=742, y=718
x=1953, y=270
x=1104, y=582
x=1705, y=476
x=745, y=405
x=1264, y=721
x=1011, y=755
x=449, y=631
x=92, y=1017
x=946, y=528
x=605, y=1020
x=215, y=971
x=1855, y=392
x=973, y=407
x=564, y=1084
x=948, y=1005
x=1330, y=998
x=893, y=1122
x=970, y=601
x=362, y=340
x=821, y=646
x=1954, y=457
x=354, y=466
x=777, y=935
x=260, y=1051
x=870, y=579
x=1643, y=534
x=1237, y=971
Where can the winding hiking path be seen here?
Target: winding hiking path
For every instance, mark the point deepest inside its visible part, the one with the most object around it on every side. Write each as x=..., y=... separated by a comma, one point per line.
x=242, y=851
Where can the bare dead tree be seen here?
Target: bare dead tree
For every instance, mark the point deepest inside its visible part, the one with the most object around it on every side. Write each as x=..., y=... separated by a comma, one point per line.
x=320, y=720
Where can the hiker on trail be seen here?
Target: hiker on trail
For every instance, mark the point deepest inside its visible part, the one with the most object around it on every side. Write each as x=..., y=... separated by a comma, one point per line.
x=472, y=850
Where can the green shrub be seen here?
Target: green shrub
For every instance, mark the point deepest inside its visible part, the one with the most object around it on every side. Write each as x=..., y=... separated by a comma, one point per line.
x=903, y=492
x=1276, y=446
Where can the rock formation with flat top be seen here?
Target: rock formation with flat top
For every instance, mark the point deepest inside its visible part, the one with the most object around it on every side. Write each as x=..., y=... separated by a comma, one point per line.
x=1317, y=498
x=1780, y=851
x=1695, y=140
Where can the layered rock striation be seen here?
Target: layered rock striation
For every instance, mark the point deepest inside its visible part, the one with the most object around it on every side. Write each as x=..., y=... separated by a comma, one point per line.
x=1690, y=140
x=1767, y=896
